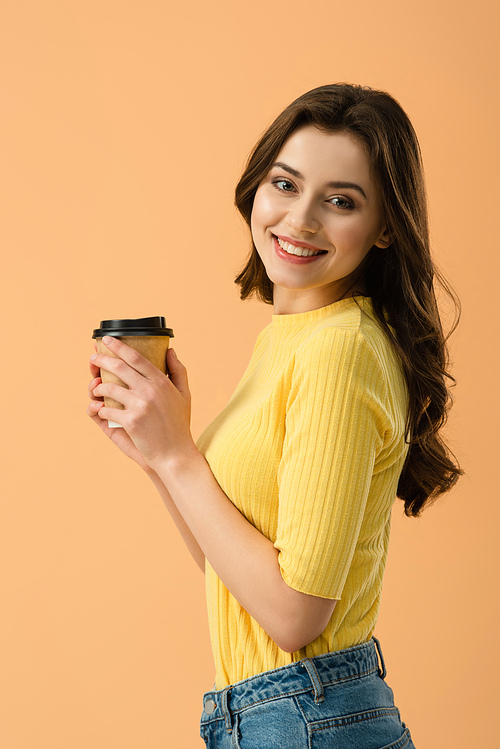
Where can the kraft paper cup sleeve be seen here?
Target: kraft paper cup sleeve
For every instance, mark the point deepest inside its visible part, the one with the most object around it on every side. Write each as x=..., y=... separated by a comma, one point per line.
x=153, y=348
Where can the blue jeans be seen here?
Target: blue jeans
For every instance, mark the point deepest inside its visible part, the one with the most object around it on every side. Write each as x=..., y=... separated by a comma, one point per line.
x=333, y=701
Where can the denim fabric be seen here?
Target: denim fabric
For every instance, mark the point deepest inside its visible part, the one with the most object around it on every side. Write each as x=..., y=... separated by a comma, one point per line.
x=334, y=701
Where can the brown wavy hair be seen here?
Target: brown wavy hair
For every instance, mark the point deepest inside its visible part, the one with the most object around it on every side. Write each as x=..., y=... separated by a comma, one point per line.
x=399, y=279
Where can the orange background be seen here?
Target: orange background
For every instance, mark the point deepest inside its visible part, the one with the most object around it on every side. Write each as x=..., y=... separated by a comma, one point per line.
x=124, y=128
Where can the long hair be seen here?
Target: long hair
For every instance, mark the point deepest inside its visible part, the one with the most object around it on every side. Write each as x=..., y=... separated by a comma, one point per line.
x=400, y=279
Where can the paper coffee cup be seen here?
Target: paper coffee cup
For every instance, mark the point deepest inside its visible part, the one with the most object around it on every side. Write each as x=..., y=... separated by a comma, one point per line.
x=147, y=335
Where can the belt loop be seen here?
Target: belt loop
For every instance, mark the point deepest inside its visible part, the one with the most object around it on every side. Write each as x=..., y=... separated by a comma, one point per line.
x=383, y=672
x=225, y=709
x=308, y=664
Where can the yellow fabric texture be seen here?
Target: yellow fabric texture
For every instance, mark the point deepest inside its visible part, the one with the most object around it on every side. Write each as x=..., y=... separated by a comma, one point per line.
x=310, y=448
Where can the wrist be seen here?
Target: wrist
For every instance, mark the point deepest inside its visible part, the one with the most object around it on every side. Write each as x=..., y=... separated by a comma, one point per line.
x=175, y=464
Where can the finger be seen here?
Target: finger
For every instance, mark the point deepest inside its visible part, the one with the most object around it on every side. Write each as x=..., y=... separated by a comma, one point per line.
x=112, y=414
x=92, y=385
x=94, y=369
x=118, y=367
x=177, y=373
x=133, y=358
x=93, y=411
x=113, y=390
x=94, y=407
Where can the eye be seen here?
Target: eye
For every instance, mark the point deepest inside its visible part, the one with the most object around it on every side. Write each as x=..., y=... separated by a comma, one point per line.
x=284, y=185
x=342, y=203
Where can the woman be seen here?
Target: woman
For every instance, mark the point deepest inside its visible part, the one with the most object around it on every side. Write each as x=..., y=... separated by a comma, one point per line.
x=285, y=502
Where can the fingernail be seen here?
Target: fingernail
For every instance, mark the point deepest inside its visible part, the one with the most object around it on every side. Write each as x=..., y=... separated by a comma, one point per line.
x=94, y=356
x=107, y=340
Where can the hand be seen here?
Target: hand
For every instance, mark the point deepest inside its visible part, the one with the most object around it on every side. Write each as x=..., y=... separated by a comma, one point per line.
x=157, y=407
x=119, y=436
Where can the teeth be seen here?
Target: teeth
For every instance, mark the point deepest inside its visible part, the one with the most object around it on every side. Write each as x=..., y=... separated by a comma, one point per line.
x=293, y=250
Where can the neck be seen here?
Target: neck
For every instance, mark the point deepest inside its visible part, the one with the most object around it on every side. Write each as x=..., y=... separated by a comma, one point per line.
x=294, y=301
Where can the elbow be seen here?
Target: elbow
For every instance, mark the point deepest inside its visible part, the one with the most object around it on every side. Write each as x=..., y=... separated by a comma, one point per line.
x=284, y=643
x=290, y=646
x=294, y=638
x=294, y=619
x=293, y=643
x=305, y=620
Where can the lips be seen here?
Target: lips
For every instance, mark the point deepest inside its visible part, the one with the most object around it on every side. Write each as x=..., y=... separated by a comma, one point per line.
x=296, y=254
x=300, y=249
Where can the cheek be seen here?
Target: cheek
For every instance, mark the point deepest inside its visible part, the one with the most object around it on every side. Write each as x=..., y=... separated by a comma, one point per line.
x=263, y=212
x=356, y=236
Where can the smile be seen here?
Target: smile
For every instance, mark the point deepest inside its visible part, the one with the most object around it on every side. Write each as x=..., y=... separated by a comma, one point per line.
x=290, y=253
x=292, y=249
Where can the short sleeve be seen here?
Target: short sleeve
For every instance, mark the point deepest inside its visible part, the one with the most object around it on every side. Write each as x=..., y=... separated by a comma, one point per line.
x=334, y=428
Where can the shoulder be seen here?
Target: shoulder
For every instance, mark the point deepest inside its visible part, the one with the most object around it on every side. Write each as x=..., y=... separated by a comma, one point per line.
x=351, y=331
x=349, y=349
x=262, y=343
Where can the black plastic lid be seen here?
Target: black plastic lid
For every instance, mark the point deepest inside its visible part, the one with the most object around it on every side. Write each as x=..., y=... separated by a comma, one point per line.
x=140, y=326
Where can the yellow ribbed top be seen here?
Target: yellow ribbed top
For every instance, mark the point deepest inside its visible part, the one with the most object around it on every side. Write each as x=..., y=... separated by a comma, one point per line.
x=310, y=448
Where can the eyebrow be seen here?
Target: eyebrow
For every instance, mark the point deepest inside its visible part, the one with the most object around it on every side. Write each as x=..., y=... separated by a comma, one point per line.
x=334, y=185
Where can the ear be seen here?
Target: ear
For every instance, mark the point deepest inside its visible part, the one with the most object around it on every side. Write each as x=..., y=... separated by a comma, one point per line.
x=384, y=239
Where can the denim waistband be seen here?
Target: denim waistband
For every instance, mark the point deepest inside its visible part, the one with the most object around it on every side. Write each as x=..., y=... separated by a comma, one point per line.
x=294, y=678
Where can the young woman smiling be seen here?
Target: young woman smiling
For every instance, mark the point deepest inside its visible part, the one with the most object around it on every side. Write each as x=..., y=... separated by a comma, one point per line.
x=285, y=501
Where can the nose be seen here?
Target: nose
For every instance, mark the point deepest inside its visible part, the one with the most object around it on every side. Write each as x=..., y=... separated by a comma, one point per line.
x=302, y=216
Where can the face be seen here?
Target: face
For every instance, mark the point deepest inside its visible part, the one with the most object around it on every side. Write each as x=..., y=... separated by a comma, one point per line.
x=315, y=217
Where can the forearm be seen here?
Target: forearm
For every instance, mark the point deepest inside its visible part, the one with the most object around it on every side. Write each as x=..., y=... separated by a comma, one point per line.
x=244, y=559
x=156, y=417
x=179, y=521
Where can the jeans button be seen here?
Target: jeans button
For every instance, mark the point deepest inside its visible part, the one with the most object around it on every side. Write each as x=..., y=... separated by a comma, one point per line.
x=209, y=706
